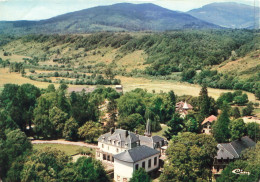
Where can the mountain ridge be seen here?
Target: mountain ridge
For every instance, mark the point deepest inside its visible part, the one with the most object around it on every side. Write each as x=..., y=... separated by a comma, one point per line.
x=117, y=17
x=227, y=14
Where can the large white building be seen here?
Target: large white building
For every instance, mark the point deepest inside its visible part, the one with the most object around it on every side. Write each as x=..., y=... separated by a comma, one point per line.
x=129, y=151
x=139, y=157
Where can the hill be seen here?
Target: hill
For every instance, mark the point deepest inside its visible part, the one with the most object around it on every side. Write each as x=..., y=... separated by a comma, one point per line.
x=118, y=17
x=229, y=15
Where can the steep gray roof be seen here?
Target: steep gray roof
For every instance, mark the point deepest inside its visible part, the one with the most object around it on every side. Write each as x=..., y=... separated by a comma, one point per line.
x=244, y=143
x=119, y=135
x=234, y=149
x=136, y=154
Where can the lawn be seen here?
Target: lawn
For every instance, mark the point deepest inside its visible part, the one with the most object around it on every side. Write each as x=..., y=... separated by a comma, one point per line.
x=67, y=149
x=161, y=132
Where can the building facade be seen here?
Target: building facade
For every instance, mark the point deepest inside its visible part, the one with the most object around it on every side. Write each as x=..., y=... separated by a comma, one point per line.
x=207, y=124
x=229, y=152
x=139, y=157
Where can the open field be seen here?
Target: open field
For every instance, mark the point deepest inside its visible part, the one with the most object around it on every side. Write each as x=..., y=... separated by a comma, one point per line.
x=129, y=83
x=67, y=149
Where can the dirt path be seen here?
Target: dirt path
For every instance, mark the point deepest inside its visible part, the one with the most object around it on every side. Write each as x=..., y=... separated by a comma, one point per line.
x=64, y=143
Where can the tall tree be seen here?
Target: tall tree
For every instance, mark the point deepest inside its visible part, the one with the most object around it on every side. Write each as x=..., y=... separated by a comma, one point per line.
x=190, y=158
x=204, y=103
x=238, y=129
x=176, y=125
x=221, y=126
x=70, y=131
x=90, y=130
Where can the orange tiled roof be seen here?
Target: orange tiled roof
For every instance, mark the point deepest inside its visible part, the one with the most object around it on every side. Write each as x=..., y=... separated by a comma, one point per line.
x=209, y=119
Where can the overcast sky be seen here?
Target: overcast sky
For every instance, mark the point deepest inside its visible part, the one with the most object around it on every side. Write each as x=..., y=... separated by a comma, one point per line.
x=43, y=9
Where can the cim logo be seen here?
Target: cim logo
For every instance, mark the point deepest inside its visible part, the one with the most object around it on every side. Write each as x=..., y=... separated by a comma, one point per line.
x=240, y=171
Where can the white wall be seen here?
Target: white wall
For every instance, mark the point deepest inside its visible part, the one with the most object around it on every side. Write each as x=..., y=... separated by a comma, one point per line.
x=125, y=169
x=146, y=163
x=109, y=148
x=122, y=169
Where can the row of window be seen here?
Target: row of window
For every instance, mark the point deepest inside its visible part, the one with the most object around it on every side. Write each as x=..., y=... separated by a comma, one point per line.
x=149, y=163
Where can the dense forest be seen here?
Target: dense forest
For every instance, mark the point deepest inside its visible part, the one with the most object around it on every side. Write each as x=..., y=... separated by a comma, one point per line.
x=53, y=113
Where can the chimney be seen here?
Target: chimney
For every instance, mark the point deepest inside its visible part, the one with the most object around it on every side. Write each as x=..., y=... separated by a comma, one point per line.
x=111, y=131
x=126, y=133
x=138, y=143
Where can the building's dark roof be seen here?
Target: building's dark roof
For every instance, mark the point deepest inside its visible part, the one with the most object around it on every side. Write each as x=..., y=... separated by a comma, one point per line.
x=157, y=138
x=120, y=135
x=244, y=143
x=234, y=149
x=136, y=154
x=125, y=136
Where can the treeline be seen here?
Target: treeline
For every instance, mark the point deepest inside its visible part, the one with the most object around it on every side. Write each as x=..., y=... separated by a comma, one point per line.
x=80, y=79
x=225, y=81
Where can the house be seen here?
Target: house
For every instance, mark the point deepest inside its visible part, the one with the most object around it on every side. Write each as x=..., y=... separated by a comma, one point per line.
x=127, y=162
x=128, y=151
x=228, y=152
x=119, y=88
x=112, y=143
x=207, y=124
x=115, y=142
x=182, y=108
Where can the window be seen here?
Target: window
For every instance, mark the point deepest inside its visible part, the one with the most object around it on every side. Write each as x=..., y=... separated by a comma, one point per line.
x=155, y=161
x=118, y=178
x=102, y=145
x=117, y=150
x=136, y=167
x=124, y=179
x=112, y=159
x=149, y=163
x=143, y=165
x=104, y=156
x=108, y=157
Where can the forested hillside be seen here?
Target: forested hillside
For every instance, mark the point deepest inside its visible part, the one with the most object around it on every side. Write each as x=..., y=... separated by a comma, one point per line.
x=163, y=55
x=117, y=17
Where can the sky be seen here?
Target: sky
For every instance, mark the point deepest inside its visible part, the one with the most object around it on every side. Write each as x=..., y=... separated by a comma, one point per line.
x=43, y=9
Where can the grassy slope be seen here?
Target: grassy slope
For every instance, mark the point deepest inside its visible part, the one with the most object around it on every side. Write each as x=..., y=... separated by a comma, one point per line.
x=107, y=55
x=242, y=68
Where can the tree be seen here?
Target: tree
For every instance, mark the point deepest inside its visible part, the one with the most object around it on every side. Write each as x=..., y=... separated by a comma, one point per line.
x=220, y=127
x=176, y=125
x=257, y=93
x=112, y=111
x=44, y=165
x=253, y=131
x=191, y=124
x=109, y=72
x=58, y=118
x=204, y=103
x=132, y=122
x=238, y=129
x=247, y=111
x=187, y=75
x=190, y=158
x=140, y=176
x=241, y=99
x=90, y=130
x=70, y=129
x=14, y=145
x=235, y=112
x=89, y=169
